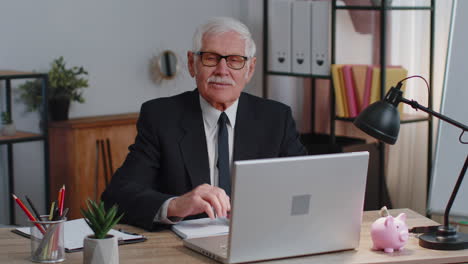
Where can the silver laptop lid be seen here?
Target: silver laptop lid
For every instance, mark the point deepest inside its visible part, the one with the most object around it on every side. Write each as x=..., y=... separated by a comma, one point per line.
x=294, y=206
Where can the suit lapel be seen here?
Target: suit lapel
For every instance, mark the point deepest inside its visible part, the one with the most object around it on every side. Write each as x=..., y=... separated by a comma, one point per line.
x=245, y=137
x=193, y=142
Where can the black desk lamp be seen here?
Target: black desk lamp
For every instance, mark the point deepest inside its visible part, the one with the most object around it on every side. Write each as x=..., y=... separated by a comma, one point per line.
x=381, y=120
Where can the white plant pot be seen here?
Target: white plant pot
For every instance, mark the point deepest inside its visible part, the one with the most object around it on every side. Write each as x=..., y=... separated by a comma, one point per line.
x=9, y=130
x=100, y=251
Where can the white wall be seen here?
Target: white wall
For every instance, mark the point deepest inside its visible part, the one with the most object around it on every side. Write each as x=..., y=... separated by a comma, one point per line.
x=114, y=41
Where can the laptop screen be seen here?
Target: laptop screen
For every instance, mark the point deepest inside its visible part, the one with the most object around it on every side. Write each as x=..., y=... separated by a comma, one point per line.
x=296, y=205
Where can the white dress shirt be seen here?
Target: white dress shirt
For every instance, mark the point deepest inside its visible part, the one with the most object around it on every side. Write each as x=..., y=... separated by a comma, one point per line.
x=210, y=122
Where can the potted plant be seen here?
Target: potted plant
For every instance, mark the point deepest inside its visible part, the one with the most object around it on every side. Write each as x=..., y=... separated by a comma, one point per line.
x=8, y=128
x=65, y=86
x=101, y=247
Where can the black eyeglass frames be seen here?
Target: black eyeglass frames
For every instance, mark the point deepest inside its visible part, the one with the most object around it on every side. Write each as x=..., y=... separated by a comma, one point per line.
x=211, y=59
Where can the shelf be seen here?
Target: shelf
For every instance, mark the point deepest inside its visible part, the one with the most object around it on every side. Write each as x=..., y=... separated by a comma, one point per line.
x=23, y=136
x=404, y=118
x=378, y=5
x=378, y=8
x=9, y=74
x=412, y=118
x=299, y=75
x=20, y=136
x=97, y=121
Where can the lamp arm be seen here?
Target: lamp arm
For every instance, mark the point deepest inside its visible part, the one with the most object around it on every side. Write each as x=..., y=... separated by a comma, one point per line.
x=416, y=106
x=454, y=192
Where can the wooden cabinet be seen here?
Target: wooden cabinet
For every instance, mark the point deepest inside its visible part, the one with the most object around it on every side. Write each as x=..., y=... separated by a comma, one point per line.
x=78, y=162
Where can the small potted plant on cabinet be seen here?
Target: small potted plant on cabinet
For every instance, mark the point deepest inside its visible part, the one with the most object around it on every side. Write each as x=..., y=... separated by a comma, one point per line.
x=64, y=87
x=101, y=247
x=8, y=127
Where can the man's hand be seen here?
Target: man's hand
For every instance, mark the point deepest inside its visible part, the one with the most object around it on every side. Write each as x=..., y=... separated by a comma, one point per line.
x=204, y=198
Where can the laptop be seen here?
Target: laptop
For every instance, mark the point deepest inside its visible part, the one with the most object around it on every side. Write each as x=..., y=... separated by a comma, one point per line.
x=294, y=206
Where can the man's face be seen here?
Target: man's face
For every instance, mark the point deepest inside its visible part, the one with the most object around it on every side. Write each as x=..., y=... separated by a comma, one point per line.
x=221, y=85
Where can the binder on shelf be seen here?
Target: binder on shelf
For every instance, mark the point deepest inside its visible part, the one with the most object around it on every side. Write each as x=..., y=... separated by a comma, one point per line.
x=320, y=24
x=280, y=36
x=301, y=37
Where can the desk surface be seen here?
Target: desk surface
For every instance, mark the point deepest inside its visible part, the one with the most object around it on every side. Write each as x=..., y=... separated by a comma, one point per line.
x=166, y=247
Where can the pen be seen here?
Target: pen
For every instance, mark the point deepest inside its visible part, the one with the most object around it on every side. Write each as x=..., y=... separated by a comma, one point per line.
x=38, y=216
x=26, y=211
x=58, y=196
x=55, y=214
x=33, y=208
x=128, y=233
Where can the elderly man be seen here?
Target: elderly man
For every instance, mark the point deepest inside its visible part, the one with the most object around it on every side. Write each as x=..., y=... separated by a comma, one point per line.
x=179, y=165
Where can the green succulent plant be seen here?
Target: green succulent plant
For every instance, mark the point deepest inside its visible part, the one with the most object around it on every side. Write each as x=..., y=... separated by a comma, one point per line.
x=6, y=118
x=99, y=219
x=64, y=83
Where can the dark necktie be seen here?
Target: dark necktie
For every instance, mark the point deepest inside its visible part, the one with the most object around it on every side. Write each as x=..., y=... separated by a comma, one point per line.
x=224, y=177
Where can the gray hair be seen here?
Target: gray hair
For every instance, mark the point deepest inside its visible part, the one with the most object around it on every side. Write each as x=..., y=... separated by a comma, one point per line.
x=219, y=25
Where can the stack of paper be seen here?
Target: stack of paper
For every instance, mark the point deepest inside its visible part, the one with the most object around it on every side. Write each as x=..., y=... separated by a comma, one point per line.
x=201, y=227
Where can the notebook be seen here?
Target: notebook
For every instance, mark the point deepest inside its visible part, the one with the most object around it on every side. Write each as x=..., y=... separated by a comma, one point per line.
x=285, y=207
x=76, y=230
x=201, y=227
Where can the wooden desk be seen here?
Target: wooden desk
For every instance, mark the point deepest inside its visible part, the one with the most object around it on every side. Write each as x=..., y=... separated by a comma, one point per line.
x=166, y=247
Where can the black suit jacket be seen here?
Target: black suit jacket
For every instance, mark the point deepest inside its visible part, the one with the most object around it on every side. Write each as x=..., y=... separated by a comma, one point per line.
x=170, y=157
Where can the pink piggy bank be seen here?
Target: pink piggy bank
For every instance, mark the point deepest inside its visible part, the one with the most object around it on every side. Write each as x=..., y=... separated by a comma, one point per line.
x=389, y=233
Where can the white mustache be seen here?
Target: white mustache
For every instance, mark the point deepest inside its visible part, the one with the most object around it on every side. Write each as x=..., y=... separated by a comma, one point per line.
x=222, y=80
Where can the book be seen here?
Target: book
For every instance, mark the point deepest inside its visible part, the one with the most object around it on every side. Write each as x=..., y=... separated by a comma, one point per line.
x=350, y=91
x=394, y=74
x=367, y=87
x=340, y=107
x=76, y=230
x=359, y=77
x=201, y=227
x=343, y=91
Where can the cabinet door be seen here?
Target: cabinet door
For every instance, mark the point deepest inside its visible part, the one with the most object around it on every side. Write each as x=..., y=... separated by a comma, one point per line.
x=116, y=140
x=89, y=179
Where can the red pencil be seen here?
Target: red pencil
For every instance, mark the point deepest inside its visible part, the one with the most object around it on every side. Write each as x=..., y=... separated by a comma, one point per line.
x=26, y=211
x=59, y=198
x=62, y=200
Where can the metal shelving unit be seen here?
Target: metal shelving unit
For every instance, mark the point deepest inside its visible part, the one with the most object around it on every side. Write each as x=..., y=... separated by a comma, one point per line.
x=405, y=118
x=22, y=136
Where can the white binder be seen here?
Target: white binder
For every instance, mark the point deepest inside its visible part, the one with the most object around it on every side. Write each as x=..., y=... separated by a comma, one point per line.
x=320, y=13
x=280, y=36
x=301, y=37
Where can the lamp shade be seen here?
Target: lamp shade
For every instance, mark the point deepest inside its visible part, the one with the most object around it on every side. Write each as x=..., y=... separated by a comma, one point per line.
x=380, y=120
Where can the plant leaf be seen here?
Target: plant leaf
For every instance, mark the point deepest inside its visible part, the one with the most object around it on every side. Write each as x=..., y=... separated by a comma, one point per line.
x=100, y=220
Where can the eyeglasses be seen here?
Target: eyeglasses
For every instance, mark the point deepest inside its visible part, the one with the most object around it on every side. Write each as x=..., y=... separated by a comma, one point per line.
x=211, y=59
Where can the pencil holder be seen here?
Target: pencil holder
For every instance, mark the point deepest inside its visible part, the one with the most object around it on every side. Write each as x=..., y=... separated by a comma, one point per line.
x=47, y=243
